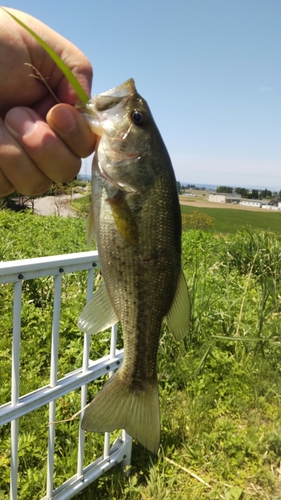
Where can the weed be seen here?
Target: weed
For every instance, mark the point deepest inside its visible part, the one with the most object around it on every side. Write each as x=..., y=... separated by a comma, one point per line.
x=220, y=390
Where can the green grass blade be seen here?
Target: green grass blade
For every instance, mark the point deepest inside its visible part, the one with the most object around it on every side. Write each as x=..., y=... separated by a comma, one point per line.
x=84, y=98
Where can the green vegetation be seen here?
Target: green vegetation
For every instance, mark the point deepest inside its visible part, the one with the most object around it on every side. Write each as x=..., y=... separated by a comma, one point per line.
x=196, y=220
x=255, y=194
x=82, y=205
x=220, y=389
x=224, y=189
x=230, y=220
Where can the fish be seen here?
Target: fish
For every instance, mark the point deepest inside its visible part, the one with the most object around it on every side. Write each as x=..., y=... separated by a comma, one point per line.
x=136, y=220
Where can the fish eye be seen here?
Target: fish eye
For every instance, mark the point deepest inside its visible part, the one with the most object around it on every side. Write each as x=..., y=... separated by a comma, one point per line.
x=138, y=117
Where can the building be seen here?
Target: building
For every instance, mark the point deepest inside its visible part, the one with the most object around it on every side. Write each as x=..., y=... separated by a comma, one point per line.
x=225, y=197
x=251, y=203
x=270, y=207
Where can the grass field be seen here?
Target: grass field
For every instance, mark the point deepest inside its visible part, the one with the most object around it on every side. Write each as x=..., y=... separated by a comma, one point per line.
x=82, y=205
x=226, y=220
x=220, y=388
x=230, y=220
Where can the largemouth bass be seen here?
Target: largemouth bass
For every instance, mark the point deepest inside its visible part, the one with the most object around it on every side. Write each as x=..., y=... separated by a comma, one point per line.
x=136, y=220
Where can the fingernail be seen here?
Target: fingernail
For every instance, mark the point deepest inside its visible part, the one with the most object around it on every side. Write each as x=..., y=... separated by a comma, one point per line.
x=20, y=122
x=62, y=119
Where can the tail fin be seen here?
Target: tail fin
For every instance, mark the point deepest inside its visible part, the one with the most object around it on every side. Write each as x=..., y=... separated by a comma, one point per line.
x=118, y=407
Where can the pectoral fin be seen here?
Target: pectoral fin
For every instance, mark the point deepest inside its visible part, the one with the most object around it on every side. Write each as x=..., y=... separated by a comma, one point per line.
x=123, y=218
x=98, y=314
x=178, y=316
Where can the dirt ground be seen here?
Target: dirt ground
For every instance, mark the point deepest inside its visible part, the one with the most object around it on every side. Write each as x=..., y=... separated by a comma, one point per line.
x=55, y=205
x=210, y=204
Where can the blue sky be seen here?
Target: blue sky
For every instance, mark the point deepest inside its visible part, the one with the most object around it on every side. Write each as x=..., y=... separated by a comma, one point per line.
x=209, y=69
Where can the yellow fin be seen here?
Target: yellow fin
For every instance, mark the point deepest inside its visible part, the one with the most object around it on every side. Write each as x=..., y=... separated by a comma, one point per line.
x=123, y=218
x=178, y=317
x=119, y=406
x=98, y=314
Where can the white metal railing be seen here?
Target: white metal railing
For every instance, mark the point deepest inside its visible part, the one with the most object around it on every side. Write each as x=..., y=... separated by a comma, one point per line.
x=15, y=272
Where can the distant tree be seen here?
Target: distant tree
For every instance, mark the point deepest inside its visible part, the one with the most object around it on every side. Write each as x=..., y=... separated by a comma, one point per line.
x=17, y=201
x=179, y=187
x=266, y=193
x=224, y=189
x=243, y=191
x=254, y=194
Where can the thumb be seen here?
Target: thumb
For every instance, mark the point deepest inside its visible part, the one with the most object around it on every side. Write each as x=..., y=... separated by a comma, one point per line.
x=72, y=128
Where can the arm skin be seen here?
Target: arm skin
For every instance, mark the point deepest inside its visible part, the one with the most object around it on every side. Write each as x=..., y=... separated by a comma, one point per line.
x=41, y=142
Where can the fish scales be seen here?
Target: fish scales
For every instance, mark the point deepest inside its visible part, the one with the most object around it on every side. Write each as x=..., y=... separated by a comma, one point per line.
x=144, y=276
x=137, y=225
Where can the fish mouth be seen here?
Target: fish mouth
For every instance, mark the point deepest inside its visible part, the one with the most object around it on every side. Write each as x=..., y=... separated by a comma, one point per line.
x=124, y=90
x=97, y=109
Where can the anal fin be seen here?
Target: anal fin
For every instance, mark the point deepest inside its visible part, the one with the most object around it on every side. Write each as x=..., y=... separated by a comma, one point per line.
x=98, y=314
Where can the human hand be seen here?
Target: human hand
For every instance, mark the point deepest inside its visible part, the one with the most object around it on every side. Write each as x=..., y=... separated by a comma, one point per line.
x=40, y=142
